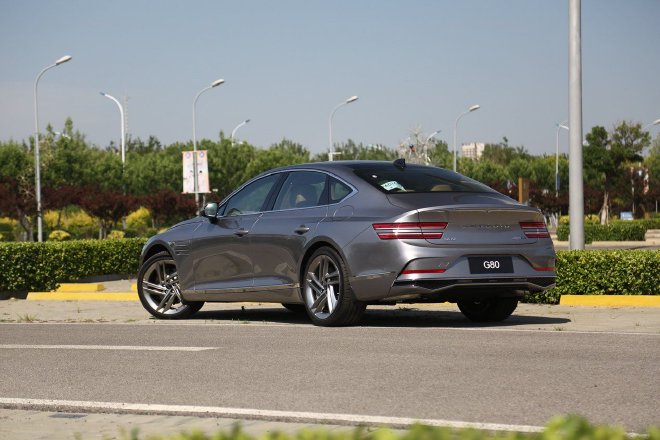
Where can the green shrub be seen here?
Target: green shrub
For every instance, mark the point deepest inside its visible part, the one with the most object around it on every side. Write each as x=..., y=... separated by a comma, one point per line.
x=651, y=223
x=42, y=266
x=115, y=235
x=59, y=236
x=615, y=231
x=603, y=272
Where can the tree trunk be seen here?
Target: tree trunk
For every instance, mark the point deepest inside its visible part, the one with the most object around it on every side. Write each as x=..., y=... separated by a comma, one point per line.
x=605, y=209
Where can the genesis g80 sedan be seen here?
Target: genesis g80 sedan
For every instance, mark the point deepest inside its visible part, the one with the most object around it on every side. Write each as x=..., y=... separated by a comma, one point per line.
x=328, y=239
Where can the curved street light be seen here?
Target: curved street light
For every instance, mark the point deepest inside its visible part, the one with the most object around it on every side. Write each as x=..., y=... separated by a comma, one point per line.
x=348, y=101
x=215, y=83
x=656, y=122
x=37, y=165
x=432, y=135
x=233, y=132
x=559, y=127
x=123, y=128
x=469, y=110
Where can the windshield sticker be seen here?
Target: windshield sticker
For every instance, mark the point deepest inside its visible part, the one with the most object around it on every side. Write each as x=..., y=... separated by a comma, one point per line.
x=392, y=185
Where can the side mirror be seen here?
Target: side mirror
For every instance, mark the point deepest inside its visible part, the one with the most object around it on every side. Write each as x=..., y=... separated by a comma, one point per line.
x=210, y=210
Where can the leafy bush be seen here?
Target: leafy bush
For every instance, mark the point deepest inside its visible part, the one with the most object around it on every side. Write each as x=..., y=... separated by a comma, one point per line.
x=615, y=231
x=42, y=266
x=7, y=228
x=651, y=223
x=115, y=235
x=74, y=220
x=138, y=223
x=603, y=272
x=59, y=236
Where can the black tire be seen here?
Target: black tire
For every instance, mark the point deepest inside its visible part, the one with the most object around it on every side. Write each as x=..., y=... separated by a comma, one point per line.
x=158, y=284
x=488, y=310
x=295, y=308
x=341, y=308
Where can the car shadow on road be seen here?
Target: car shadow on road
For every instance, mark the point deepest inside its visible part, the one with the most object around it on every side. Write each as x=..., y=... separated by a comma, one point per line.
x=382, y=317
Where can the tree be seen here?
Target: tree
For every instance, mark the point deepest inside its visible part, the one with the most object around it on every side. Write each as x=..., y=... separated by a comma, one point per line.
x=168, y=207
x=17, y=185
x=108, y=206
x=606, y=162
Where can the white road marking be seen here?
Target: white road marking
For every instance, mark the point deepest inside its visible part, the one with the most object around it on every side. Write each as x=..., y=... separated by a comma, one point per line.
x=253, y=414
x=105, y=347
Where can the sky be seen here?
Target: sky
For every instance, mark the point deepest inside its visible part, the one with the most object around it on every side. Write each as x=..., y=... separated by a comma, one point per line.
x=414, y=64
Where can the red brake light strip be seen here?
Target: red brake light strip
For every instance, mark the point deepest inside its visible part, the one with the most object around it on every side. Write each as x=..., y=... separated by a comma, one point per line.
x=408, y=230
x=534, y=230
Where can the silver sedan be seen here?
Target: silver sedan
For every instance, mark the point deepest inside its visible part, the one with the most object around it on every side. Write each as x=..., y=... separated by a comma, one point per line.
x=328, y=239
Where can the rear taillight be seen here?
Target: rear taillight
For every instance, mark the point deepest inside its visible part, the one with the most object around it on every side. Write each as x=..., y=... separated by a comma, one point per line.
x=397, y=231
x=534, y=230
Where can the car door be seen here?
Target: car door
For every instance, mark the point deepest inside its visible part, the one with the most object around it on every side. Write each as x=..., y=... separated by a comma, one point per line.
x=280, y=236
x=220, y=251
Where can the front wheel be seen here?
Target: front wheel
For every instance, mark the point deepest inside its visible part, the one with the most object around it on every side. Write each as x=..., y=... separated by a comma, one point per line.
x=329, y=299
x=159, y=291
x=488, y=310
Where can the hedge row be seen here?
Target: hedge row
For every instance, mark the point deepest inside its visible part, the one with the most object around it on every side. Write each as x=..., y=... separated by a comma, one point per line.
x=604, y=272
x=615, y=231
x=42, y=266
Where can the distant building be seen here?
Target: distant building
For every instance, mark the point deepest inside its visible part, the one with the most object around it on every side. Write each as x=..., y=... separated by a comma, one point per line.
x=473, y=150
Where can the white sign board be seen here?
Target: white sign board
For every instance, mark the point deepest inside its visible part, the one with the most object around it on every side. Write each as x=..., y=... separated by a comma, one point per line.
x=189, y=171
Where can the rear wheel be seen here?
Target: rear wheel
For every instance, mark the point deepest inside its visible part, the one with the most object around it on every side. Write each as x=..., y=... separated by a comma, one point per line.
x=159, y=290
x=488, y=310
x=329, y=299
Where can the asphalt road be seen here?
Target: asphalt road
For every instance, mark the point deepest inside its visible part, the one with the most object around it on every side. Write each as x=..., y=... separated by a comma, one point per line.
x=498, y=374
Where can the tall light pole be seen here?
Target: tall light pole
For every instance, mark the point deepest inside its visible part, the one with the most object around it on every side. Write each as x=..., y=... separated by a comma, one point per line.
x=559, y=127
x=233, y=132
x=469, y=110
x=332, y=148
x=215, y=83
x=122, y=145
x=575, y=177
x=37, y=165
x=123, y=129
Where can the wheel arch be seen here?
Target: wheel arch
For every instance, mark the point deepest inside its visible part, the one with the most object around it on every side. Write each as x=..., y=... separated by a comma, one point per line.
x=313, y=247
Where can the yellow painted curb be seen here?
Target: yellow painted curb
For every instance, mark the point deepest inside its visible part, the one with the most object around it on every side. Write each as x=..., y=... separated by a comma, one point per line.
x=611, y=300
x=134, y=287
x=85, y=287
x=81, y=296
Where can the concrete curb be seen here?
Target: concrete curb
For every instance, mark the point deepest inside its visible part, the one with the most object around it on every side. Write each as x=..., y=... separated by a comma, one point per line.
x=610, y=300
x=566, y=300
x=82, y=296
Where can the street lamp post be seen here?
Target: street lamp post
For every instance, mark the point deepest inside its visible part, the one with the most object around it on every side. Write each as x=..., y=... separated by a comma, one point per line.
x=432, y=135
x=656, y=122
x=469, y=110
x=233, y=132
x=559, y=127
x=348, y=101
x=37, y=165
x=122, y=144
x=215, y=83
x=123, y=129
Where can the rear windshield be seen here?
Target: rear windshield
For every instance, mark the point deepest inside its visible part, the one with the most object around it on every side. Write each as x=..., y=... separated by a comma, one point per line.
x=418, y=179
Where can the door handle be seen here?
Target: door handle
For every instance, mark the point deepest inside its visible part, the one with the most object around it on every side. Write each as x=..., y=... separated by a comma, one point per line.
x=241, y=232
x=302, y=229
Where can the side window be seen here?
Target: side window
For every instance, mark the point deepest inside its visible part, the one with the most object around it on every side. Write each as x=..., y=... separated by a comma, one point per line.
x=251, y=199
x=338, y=190
x=301, y=189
